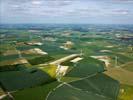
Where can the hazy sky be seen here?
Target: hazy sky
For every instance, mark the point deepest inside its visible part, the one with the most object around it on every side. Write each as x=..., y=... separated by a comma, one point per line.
x=67, y=11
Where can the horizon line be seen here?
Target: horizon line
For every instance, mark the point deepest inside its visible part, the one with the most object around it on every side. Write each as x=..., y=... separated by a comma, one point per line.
x=70, y=23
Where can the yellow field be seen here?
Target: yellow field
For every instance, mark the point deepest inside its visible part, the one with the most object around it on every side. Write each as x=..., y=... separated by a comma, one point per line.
x=126, y=92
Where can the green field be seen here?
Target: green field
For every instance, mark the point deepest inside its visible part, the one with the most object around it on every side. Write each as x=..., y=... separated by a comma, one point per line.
x=84, y=80
x=99, y=84
x=42, y=60
x=36, y=93
x=71, y=93
x=23, y=79
x=86, y=67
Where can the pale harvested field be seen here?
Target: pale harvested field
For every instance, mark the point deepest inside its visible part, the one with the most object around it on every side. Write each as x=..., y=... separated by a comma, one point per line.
x=14, y=62
x=10, y=52
x=128, y=66
x=120, y=74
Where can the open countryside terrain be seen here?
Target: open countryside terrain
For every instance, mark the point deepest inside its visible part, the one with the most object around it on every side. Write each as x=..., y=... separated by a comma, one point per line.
x=66, y=62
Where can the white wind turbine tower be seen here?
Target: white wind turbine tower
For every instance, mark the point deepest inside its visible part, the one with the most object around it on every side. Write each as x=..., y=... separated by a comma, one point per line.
x=19, y=54
x=81, y=52
x=18, y=51
x=116, y=61
x=30, y=37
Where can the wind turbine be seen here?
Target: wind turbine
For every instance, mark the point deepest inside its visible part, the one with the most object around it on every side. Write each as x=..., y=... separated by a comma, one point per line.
x=81, y=52
x=19, y=54
x=116, y=61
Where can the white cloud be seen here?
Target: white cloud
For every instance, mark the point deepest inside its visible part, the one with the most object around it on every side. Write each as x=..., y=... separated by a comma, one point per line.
x=36, y=2
x=15, y=6
x=121, y=12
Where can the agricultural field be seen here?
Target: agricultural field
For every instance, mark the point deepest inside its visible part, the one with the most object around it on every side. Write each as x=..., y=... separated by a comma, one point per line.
x=99, y=84
x=102, y=69
x=23, y=79
x=125, y=92
x=72, y=93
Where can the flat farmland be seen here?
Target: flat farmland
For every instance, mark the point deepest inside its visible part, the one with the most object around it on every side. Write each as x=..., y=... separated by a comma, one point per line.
x=120, y=74
x=85, y=68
